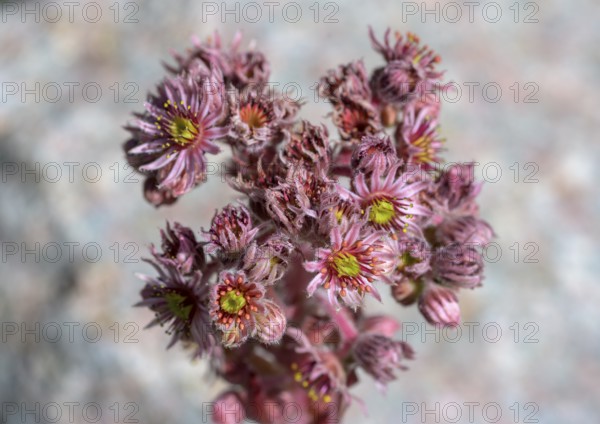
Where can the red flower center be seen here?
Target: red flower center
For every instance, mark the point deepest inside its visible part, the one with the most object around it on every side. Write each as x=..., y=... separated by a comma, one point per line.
x=253, y=116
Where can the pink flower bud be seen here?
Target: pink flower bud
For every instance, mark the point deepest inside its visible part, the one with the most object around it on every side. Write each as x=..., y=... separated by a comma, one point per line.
x=458, y=266
x=271, y=323
x=179, y=249
x=231, y=231
x=374, y=151
x=380, y=356
x=439, y=305
x=407, y=291
x=464, y=229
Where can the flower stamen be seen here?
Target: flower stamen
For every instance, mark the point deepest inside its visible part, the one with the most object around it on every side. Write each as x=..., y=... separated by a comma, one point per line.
x=183, y=131
x=232, y=302
x=382, y=212
x=346, y=265
x=253, y=116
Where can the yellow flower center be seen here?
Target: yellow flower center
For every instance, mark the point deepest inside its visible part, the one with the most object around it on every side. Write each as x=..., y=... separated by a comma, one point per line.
x=175, y=303
x=339, y=214
x=346, y=265
x=183, y=131
x=231, y=302
x=406, y=260
x=382, y=212
x=273, y=262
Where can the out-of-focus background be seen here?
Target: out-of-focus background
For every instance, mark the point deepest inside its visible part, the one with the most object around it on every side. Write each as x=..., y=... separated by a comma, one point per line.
x=73, y=223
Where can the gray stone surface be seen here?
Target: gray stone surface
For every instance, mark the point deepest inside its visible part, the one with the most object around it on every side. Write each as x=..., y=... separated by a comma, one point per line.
x=554, y=301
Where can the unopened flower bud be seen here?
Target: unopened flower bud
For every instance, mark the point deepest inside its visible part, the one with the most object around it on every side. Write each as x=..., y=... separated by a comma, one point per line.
x=410, y=71
x=231, y=231
x=380, y=356
x=309, y=144
x=180, y=249
x=271, y=323
x=458, y=265
x=374, y=152
x=457, y=189
x=346, y=81
x=407, y=291
x=464, y=229
x=268, y=262
x=439, y=306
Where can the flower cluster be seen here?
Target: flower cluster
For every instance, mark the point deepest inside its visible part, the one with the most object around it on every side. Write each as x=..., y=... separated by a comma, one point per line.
x=272, y=291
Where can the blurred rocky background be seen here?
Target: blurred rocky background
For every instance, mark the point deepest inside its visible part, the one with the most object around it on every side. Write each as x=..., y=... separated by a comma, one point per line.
x=74, y=225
